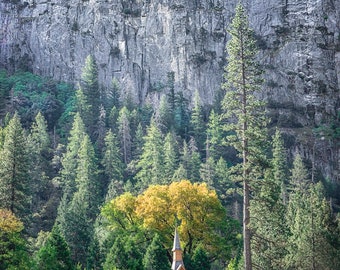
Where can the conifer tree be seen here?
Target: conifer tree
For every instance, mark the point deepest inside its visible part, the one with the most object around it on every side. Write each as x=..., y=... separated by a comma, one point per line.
x=78, y=210
x=137, y=142
x=113, y=166
x=125, y=134
x=124, y=255
x=15, y=182
x=112, y=97
x=87, y=177
x=151, y=163
x=314, y=234
x=76, y=227
x=200, y=259
x=163, y=116
x=207, y=172
x=70, y=158
x=90, y=87
x=197, y=123
x=55, y=253
x=40, y=160
x=270, y=234
x=171, y=94
x=101, y=129
x=13, y=247
x=83, y=105
x=155, y=257
x=279, y=165
x=170, y=157
x=245, y=113
x=215, y=136
x=181, y=115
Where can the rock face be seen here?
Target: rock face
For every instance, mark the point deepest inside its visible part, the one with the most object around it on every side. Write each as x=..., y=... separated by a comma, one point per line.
x=141, y=42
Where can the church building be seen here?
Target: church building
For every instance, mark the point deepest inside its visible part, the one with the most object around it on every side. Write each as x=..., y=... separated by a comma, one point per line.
x=177, y=260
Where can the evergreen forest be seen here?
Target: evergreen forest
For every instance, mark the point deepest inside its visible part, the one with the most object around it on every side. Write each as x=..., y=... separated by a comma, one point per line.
x=91, y=180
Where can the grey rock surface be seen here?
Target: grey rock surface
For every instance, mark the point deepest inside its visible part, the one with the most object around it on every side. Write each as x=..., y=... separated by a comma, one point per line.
x=140, y=42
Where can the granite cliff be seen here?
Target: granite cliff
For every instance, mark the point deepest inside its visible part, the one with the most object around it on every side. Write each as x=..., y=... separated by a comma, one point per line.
x=141, y=42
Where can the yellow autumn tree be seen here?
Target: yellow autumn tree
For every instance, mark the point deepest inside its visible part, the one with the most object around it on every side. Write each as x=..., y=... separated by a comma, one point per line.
x=193, y=207
x=13, y=254
x=120, y=212
x=9, y=223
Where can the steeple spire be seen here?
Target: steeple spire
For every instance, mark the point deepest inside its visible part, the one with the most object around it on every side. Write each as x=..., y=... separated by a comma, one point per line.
x=177, y=261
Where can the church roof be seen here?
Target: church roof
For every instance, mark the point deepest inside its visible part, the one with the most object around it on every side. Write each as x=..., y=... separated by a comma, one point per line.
x=177, y=244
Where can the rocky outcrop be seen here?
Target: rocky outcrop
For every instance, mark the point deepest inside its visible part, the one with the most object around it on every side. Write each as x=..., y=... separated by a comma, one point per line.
x=140, y=42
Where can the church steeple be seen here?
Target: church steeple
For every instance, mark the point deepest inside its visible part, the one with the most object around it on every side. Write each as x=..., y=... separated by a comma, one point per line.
x=177, y=260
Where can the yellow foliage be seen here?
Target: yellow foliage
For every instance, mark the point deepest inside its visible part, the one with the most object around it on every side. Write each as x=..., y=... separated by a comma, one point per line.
x=194, y=208
x=9, y=223
x=120, y=212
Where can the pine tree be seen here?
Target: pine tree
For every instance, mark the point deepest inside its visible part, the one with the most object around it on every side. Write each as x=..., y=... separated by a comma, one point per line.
x=215, y=136
x=171, y=94
x=181, y=115
x=170, y=157
x=124, y=254
x=76, y=227
x=40, y=160
x=83, y=106
x=314, y=234
x=270, y=234
x=163, y=116
x=279, y=165
x=87, y=177
x=90, y=88
x=247, y=122
x=194, y=162
x=78, y=210
x=151, y=163
x=55, y=253
x=197, y=123
x=155, y=257
x=200, y=259
x=137, y=142
x=101, y=129
x=112, y=97
x=207, y=172
x=125, y=134
x=113, y=166
x=70, y=158
x=14, y=171
x=13, y=246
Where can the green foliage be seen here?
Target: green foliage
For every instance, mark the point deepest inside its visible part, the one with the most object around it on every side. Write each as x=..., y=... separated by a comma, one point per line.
x=124, y=254
x=145, y=146
x=14, y=171
x=13, y=249
x=203, y=219
x=181, y=114
x=32, y=94
x=89, y=95
x=200, y=259
x=215, y=136
x=70, y=157
x=245, y=113
x=40, y=155
x=171, y=157
x=197, y=123
x=124, y=133
x=151, y=163
x=155, y=257
x=54, y=254
x=314, y=240
x=164, y=118
x=113, y=166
